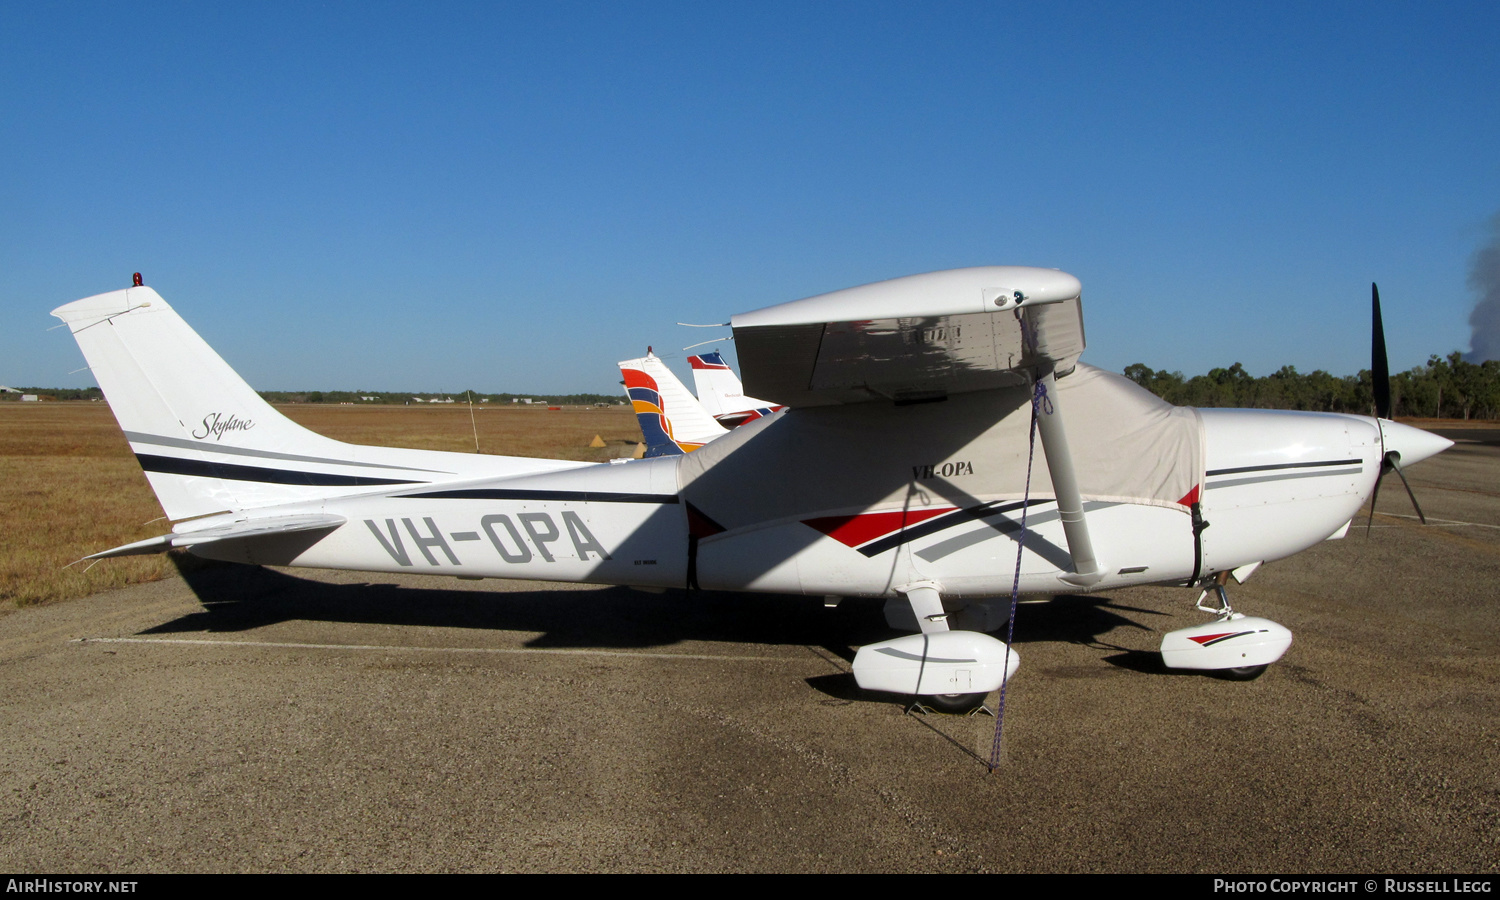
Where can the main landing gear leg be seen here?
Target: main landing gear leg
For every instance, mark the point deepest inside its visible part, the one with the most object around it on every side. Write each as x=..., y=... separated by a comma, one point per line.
x=1232, y=646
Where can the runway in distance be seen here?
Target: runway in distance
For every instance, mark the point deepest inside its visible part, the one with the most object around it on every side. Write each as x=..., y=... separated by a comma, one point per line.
x=899, y=471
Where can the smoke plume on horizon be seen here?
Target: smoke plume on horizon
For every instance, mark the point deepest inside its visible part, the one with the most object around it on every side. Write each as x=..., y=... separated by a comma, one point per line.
x=1484, y=278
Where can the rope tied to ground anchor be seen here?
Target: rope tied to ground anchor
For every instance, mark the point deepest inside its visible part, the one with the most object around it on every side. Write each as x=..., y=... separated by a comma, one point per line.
x=1041, y=404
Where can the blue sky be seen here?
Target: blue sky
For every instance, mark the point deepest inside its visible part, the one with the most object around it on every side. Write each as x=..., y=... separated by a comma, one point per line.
x=511, y=197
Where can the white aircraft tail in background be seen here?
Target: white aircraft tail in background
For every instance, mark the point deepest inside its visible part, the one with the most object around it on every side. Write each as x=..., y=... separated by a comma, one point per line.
x=672, y=420
x=720, y=392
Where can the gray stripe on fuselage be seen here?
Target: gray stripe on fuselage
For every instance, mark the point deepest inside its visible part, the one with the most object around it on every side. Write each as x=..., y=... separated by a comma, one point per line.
x=185, y=444
x=997, y=525
x=1232, y=482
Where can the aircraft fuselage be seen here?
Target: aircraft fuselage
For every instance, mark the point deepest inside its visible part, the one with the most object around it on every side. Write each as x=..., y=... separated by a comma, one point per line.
x=1275, y=483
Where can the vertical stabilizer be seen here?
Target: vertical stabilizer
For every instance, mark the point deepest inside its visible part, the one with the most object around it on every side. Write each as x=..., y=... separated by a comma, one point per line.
x=208, y=442
x=672, y=420
x=720, y=392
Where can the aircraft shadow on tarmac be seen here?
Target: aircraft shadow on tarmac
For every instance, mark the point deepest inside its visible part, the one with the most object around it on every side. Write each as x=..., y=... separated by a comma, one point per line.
x=241, y=598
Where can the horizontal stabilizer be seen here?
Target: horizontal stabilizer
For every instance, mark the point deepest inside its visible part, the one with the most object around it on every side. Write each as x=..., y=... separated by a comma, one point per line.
x=254, y=528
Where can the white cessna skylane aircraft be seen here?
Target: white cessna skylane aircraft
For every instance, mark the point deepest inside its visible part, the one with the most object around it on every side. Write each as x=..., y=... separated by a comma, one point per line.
x=899, y=471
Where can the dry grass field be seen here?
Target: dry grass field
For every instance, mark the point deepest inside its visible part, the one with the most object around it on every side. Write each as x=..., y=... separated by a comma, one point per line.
x=69, y=485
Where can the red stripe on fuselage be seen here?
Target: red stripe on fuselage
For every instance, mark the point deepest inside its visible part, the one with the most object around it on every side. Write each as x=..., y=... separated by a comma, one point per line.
x=851, y=531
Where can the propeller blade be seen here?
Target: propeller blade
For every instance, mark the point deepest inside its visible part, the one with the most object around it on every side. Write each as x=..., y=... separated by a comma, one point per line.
x=1374, y=495
x=1397, y=467
x=1391, y=464
x=1380, y=370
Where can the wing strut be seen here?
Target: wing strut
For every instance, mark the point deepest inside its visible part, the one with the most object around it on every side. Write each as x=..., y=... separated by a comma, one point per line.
x=1086, y=567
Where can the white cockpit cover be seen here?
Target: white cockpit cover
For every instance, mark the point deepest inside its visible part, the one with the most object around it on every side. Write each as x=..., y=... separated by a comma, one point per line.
x=1127, y=446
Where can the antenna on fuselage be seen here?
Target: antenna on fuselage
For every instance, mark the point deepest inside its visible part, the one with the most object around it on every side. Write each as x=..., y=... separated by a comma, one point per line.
x=472, y=423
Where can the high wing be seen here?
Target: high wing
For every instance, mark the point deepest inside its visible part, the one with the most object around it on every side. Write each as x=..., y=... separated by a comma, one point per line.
x=922, y=337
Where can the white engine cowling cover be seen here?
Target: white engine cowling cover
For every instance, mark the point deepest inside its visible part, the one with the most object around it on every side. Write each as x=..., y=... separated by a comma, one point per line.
x=1226, y=644
x=944, y=662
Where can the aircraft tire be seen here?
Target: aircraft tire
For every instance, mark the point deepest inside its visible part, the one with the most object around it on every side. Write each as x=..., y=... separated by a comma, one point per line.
x=956, y=704
x=1242, y=673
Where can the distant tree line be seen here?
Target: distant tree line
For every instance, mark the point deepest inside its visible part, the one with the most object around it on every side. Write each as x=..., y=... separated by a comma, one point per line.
x=426, y=396
x=1444, y=388
x=1448, y=387
x=93, y=393
x=46, y=393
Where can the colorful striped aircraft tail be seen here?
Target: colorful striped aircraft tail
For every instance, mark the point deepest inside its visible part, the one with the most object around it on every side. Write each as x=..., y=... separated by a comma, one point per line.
x=672, y=420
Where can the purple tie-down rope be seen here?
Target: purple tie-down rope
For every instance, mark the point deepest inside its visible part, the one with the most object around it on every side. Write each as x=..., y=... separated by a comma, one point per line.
x=1040, y=403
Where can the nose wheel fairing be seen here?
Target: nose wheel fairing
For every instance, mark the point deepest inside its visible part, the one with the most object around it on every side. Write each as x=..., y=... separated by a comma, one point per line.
x=1237, y=645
